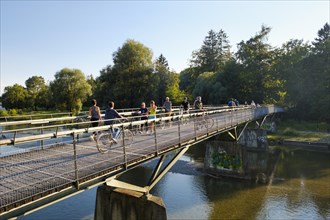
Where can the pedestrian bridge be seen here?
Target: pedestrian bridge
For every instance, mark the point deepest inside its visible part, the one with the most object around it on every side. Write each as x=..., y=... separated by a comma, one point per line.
x=40, y=164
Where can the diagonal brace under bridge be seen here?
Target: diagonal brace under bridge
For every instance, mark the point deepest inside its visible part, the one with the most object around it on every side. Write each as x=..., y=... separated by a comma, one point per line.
x=155, y=178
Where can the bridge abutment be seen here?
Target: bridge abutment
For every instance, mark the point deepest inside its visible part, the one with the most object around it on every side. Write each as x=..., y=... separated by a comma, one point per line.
x=116, y=203
x=255, y=139
x=248, y=158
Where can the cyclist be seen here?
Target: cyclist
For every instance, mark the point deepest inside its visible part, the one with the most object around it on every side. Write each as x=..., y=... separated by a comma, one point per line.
x=110, y=115
x=198, y=105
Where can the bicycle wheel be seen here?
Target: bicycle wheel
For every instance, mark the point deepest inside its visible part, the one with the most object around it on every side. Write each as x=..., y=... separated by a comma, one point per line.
x=162, y=124
x=128, y=137
x=184, y=120
x=104, y=142
x=209, y=122
x=199, y=123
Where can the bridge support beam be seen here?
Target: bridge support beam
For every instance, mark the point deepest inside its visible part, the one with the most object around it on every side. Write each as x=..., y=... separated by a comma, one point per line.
x=120, y=200
x=155, y=178
x=237, y=136
x=262, y=122
x=113, y=204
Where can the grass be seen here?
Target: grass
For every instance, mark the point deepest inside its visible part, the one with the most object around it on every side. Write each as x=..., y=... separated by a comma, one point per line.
x=301, y=131
x=303, y=126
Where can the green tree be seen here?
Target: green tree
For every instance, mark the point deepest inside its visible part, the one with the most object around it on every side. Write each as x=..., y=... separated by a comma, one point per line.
x=162, y=78
x=188, y=79
x=37, y=89
x=173, y=89
x=256, y=58
x=204, y=86
x=317, y=79
x=230, y=81
x=14, y=97
x=288, y=68
x=93, y=83
x=70, y=89
x=211, y=57
x=213, y=54
x=130, y=80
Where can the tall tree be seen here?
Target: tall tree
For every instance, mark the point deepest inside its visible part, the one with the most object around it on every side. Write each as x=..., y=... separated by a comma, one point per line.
x=14, y=97
x=318, y=80
x=204, y=86
x=288, y=68
x=255, y=56
x=70, y=89
x=37, y=89
x=162, y=78
x=173, y=89
x=213, y=54
x=130, y=80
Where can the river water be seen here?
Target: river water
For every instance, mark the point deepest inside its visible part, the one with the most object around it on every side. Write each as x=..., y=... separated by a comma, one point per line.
x=299, y=189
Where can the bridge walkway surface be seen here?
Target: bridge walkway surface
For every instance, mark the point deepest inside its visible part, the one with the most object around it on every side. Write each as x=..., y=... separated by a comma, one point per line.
x=63, y=168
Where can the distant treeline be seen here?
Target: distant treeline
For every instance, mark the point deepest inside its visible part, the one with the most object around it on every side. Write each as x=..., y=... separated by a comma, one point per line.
x=295, y=75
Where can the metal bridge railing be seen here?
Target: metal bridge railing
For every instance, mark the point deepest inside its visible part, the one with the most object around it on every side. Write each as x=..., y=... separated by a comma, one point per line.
x=41, y=130
x=64, y=155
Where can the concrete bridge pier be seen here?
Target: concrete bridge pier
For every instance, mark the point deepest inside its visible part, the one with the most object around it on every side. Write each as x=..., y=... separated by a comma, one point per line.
x=117, y=203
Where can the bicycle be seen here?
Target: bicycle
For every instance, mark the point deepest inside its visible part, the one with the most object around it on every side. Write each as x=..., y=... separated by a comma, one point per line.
x=186, y=119
x=163, y=123
x=105, y=140
x=204, y=121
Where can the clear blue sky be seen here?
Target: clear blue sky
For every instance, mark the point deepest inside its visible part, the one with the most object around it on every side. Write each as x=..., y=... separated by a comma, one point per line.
x=42, y=37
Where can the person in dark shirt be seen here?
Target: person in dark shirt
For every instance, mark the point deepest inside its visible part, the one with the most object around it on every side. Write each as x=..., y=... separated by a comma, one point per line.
x=143, y=112
x=95, y=114
x=185, y=105
x=110, y=115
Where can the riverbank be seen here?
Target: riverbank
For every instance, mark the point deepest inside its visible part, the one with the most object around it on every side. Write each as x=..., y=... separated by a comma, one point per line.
x=300, y=136
x=310, y=136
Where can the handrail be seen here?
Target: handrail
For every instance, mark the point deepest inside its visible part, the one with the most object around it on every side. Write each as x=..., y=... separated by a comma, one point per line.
x=126, y=113
x=56, y=134
x=35, y=115
x=44, y=121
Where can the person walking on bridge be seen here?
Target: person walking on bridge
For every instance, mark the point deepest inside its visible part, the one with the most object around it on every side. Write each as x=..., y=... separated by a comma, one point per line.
x=198, y=104
x=95, y=114
x=143, y=112
x=168, y=109
x=152, y=115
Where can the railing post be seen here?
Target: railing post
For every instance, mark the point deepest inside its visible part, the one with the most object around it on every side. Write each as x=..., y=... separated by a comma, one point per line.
x=155, y=136
x=179, y=131
x=76, y=183
x=124, y=147
x=206, y=124
x=14, y=138
x=195, y=127
x=42, y=132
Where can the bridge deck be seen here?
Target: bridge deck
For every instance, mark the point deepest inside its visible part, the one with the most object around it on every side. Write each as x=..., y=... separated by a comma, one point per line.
x=35, y=174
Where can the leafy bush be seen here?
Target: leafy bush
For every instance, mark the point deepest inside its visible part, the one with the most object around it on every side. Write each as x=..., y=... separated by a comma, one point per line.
x=12, y=112
x=3, y=113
